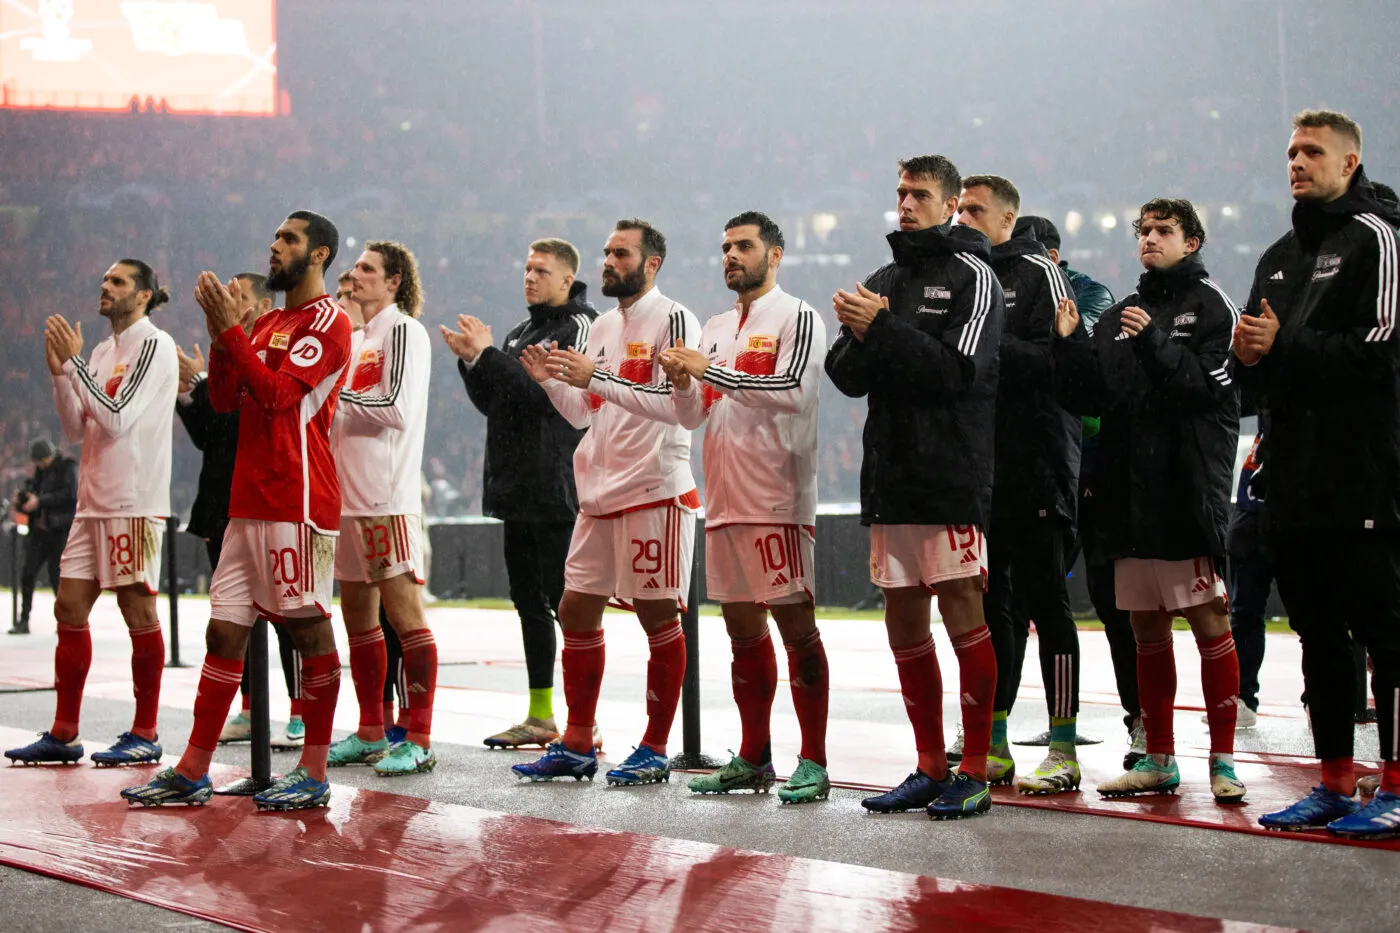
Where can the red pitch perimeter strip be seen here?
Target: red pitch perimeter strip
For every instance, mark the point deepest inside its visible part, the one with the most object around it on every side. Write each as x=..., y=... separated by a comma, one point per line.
x=382, y=861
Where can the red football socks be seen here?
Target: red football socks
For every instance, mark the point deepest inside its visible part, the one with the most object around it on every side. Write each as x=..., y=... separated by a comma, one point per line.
x=665, y=672
x=583, y=658
x=1220, y=683
x=921, y=683
x=1390, y=777
x=1339, y=775
x=218, y=682
x=147, y=665
x=71, y=660
x=369, y=664
x=1156, y=670
x=811, y=689
x=754, y=676
x=420, y=666
x=320, y=686
x=977, y=682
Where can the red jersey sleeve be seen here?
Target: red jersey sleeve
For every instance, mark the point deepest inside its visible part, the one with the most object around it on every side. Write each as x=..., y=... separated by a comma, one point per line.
x=318, y=349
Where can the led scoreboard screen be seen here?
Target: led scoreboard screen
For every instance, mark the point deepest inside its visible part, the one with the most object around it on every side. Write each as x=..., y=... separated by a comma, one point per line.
x=177, y=55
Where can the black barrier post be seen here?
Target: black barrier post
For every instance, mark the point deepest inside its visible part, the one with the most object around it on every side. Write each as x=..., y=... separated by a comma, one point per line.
x=262, y=728
x=14, y=576
x=691, y=757
x=172, y=586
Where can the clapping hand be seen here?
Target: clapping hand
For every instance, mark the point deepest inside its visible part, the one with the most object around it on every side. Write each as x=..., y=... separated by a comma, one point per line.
x=857, y=309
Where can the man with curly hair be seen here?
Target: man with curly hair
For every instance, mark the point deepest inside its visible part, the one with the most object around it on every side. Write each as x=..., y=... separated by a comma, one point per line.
x=1158, y=372
x=378, y=443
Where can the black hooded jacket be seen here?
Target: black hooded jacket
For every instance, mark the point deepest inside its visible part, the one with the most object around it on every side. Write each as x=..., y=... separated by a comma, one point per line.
x=1037, y=441
x=928, y=369
x=1169, y=415
x=1331, y=382
x=529, y=472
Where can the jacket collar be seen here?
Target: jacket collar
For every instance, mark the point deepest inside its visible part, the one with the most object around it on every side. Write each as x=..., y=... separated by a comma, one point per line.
x=1312, y=221
x=139, y=330
x=578, y=302
x=383, y=322
x=765, y=301
x=1017, y=247
x=1165, y=285
x=912, y=247
x=652, y=299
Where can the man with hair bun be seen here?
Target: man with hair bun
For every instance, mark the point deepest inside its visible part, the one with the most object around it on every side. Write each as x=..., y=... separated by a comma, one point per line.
x=1158, y=371
x=378, y=446
x=528, y=479
x=1318, y=342
x=120, y=403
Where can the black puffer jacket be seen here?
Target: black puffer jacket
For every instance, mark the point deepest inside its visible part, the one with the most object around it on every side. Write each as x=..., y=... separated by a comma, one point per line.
x=56, y=487
x=928, y=368
x=1331, y=383
x=1169, y=414
x=1037, y=441
x=529, y=472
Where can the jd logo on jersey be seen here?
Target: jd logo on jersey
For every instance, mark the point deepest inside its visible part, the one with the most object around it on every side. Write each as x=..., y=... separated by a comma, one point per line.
x=306, y=352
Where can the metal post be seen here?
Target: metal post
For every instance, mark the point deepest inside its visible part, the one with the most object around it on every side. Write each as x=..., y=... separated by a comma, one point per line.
x=257, y=688
x=172, y=587
x=691, y=756
x=256, y=661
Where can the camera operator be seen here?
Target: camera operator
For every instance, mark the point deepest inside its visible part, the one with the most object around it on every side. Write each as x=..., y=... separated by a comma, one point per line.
x=49, y=499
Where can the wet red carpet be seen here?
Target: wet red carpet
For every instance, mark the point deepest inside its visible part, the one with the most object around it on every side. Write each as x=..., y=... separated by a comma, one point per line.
x=381, y=861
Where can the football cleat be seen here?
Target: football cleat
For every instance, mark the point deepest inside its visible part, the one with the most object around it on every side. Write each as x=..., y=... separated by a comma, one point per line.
x=1379, y=819
x=296, y=733
x=536, y=732
x=915, y=792
x=559, y=762
x=1145, y=777
x=1057, y=774
x=738, y=774
x=237, y=729
x=954, y=752
x=353, y=750
x=1001, y=769
x=809, y=782
x=295, y=790
x=964, y=796
x=395, y=734
x=643, y=766
x=1225, y=787
x=405, y=758
x=48, y=750
x=1137, y=745
x=129, y=750
x=1318, y=809
x=169, y=786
